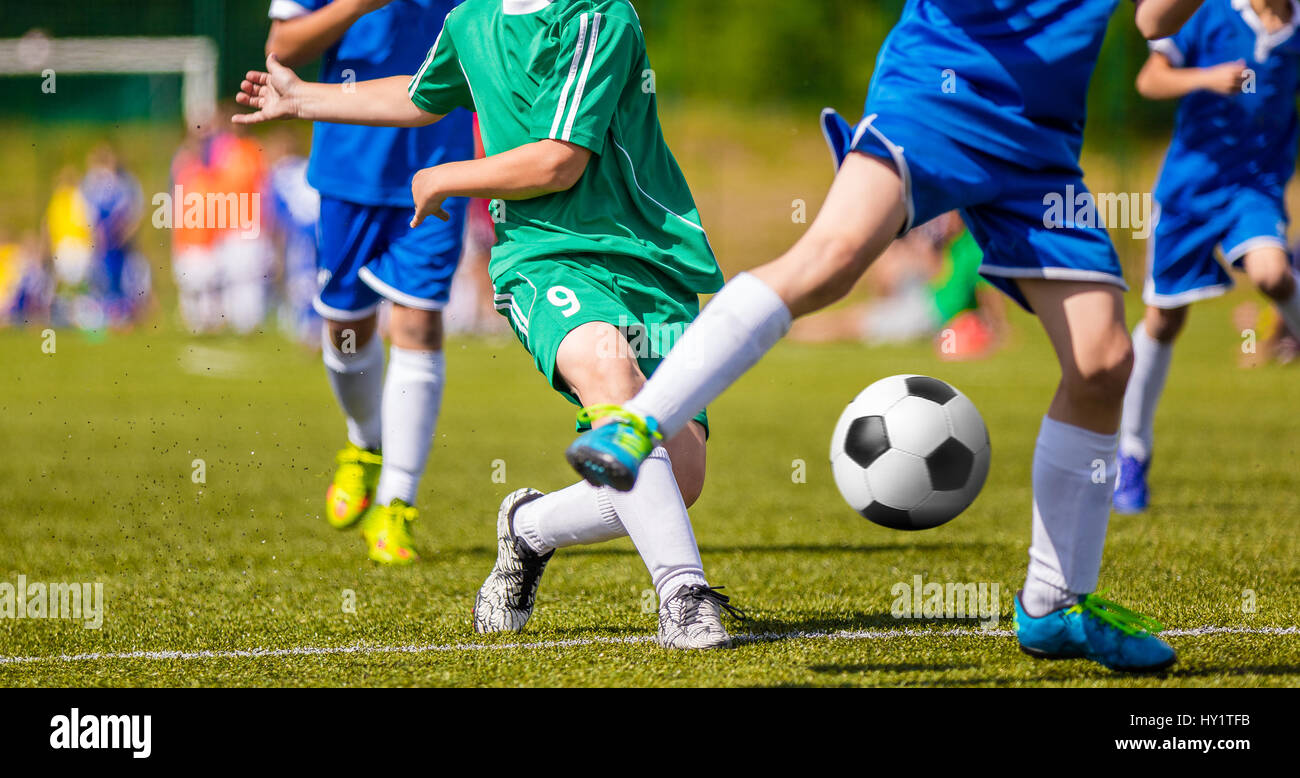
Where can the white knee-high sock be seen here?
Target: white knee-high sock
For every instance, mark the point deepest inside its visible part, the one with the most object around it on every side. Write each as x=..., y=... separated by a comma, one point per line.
x=736, y=329
x=412, y=399
x=1074, y=474
x=1151, y=360
x=357, y=380
x=655, y=517
x=579, y=515
x=1290, y=310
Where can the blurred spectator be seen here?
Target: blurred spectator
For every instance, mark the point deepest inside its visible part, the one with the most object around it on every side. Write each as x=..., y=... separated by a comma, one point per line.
x=119, y=277
x=295, y=211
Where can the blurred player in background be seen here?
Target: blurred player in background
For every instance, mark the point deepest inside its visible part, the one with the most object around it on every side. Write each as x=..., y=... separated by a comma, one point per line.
x=195, y=264
x=69, y=236
x=1236, y=69
x=238, y=172
x=368, y=252
x=931, y=289
x=994, y=146
x=120, y=275
x=295, y=211
x=472, y=309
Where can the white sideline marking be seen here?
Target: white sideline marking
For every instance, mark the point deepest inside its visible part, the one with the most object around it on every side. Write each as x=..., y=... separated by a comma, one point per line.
x=763, y=637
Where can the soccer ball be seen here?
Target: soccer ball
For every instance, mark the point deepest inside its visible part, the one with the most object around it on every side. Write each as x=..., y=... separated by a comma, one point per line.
x=910, y=452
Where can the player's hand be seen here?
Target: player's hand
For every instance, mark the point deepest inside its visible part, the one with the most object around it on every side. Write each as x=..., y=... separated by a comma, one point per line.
x=428, y=198
x=273, y=93
x=1226, y=79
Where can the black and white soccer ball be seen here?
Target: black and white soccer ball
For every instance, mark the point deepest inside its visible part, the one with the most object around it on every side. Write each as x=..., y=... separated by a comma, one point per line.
x=910, y=452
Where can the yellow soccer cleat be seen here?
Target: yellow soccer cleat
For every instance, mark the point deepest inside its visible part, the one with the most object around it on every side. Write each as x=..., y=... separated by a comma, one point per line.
x=387, y=532
x=353, y=488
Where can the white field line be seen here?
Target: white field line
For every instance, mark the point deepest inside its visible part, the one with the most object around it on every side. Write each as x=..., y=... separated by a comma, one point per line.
x=765, y=637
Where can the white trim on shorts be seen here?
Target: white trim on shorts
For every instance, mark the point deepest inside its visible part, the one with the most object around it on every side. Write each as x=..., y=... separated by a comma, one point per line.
x=340, y=315
x=395, y=295
x=1055, y=274
x=900, y=161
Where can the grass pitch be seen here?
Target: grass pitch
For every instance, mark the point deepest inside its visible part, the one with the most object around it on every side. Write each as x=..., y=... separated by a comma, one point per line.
x=241, y=576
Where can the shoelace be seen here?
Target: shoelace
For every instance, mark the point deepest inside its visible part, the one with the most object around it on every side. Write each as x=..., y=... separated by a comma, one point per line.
x=1121, y=618
x=647, y=427
x=699, y=593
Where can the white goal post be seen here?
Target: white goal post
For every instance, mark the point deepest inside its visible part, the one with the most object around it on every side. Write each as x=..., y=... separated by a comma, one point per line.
x=194, y=58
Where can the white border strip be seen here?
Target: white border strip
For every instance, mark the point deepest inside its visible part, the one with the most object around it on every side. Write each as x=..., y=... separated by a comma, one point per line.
x=763, y=637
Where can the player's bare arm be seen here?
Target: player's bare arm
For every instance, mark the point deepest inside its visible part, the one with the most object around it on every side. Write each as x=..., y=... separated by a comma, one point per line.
x=1159, y=79
x=1162, y=18
x=278, y=93
x=532, y=170
x=302, y=39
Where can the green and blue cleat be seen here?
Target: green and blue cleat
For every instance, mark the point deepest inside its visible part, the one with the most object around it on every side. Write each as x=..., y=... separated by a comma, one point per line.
x=1095, y=629
x=611, y=455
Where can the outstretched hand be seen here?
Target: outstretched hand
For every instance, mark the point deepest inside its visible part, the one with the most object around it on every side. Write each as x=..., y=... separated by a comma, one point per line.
x=273, y=93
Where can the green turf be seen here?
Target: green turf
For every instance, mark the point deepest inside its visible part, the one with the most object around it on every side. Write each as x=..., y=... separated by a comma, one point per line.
x=100, y=438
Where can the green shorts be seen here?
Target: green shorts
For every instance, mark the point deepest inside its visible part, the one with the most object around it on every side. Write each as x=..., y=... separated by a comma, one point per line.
x=547, y=298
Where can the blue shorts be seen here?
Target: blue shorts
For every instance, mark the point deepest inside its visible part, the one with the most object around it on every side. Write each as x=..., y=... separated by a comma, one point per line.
x=1181, y=263
x=370, y=253
x=1004, y=202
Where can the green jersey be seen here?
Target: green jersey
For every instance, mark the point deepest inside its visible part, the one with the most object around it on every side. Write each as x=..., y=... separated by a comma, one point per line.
x=574, y=71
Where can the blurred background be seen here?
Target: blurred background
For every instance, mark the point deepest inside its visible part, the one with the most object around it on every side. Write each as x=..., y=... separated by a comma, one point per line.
x=85, y=153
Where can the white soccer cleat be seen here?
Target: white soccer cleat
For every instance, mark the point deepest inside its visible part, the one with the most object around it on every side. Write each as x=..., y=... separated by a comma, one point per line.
x=691, y=619
x=505, y=602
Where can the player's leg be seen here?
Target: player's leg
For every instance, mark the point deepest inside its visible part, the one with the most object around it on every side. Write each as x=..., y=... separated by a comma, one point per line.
x=1269, y=268
x=1153, y=351
x=864, y=212
x=353, y=355
x=418, y=282
x=1074, y=459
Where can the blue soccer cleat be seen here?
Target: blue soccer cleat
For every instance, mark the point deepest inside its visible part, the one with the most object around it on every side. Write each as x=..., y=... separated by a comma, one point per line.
x=1099, y=630
x=612, y=454
x=1131, y=492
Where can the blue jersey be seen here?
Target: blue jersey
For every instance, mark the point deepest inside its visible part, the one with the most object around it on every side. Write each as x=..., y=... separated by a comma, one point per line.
x=1010, y=76
x=1223, y=142
x=374, y=165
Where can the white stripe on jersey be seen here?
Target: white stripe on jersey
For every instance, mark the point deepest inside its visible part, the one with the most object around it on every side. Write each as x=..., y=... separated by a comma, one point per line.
x=582, y=82
x=573, y=73
x=428, y=60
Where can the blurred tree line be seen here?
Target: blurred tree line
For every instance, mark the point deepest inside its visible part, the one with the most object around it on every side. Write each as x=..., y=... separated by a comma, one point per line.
x=751, y=54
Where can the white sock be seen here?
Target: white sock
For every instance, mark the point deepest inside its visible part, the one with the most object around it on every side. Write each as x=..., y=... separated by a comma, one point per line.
x=655, y=517
x=579, y=515
x=1151, y=360
x=1290, y=310
x=412, y=399
x=358, y=381
x=1074, y=473
x=736, y=329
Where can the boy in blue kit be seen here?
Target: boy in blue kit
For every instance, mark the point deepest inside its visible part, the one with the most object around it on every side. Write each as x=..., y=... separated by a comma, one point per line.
x=1236, y=68
x=1000, y=89
x=368, y=252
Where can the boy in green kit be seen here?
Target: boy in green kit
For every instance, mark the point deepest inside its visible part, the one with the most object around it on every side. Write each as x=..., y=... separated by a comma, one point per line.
x=599, y=261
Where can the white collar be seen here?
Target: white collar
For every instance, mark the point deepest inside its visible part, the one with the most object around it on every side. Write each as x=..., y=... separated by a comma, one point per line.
x=521, y=7
x=1266, y=41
